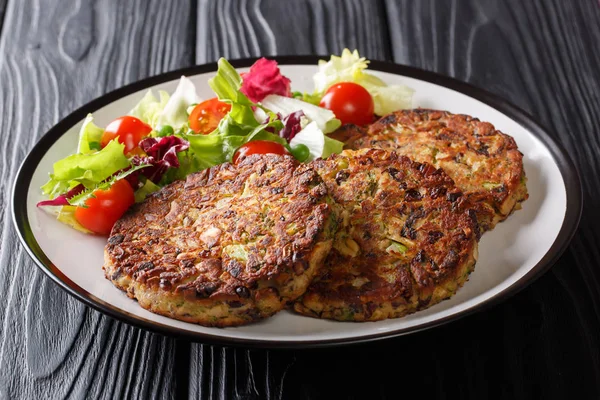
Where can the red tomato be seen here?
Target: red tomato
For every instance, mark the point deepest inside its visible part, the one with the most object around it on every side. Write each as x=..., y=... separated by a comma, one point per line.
x=350, y=102
x=205, y=117
x=106, y=208
x=258, y=147
x=128, y=130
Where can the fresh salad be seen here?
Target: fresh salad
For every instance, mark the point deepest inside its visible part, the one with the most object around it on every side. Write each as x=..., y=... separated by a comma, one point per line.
x=165, y=138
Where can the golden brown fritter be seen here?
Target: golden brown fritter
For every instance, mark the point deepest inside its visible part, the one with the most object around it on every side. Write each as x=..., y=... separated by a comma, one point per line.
x=483, y=162
x=406, y=238
x=227, y=246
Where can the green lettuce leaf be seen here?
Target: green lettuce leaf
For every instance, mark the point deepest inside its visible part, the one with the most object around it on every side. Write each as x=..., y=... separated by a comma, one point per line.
x=81, y=198
x=238, y=127
x=175, y=112
x=66, y=215
x=149, y=108
x=331, y=146
x=87, y=169
x=319, y=145
x=351, y=67
x=218, y=147
x=313, y=99
x=90, y=136
x=348, y=67
x=148, y=188
x=167, y=110
x=226, y=84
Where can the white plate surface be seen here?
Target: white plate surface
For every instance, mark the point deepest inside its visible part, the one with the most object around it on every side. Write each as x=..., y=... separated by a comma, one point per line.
x=506, y=254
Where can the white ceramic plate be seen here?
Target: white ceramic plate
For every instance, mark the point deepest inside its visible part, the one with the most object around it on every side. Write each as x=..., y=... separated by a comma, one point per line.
x=511, y=256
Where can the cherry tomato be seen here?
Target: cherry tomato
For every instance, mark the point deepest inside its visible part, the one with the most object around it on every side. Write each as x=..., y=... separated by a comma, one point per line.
x=258, y=147
x=350, y=102
x=128, y=130
x=106, y=208
x=205, y=117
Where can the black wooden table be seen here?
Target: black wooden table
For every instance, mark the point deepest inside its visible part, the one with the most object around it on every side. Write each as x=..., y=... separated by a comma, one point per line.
x=543, y=55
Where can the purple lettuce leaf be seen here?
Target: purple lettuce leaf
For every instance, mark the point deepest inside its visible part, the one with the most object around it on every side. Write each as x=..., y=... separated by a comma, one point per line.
x=161, y=155
x=63, y=199
x=291, y=125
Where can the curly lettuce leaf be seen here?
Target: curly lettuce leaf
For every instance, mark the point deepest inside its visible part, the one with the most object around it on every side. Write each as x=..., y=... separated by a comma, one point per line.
x=63, y=199
x=90, y=136
x=219, y=147
x=81, y=198
x=388, y=99
x=149, y=108
x=175, y=114
x=227, y=85
x=168, y=110
x=345, y=68
x=86, y=169
x=161, y=154
x=351, y=67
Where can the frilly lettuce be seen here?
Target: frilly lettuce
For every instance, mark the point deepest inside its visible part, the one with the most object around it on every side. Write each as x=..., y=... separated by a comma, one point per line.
x=90, y=136
x=345, y=68
x=238, y=127
x=86, y=169
x=388, y=99
x=149, y=108
x=81, y=198
x=161, y=154
x=350, y=67
x=175, y=112
x=167, y=110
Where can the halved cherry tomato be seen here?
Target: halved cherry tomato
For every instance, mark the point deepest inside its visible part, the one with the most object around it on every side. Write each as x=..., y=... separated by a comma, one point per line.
x=106, y=208
x=205, y=117
x=258, y=147
x=350, y=102
x=128, y=130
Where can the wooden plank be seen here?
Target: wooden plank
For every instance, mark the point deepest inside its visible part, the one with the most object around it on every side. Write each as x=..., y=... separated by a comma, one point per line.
x=3, y=4
x=249, y=28
x=54, y=57
x=537, y=54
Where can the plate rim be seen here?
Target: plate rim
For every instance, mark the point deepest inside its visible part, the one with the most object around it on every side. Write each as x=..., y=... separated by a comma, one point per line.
x=20, y=192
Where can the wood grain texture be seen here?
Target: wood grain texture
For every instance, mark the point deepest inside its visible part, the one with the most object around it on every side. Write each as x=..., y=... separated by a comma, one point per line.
x=542, y=342
x=2, y=11
x=538, y=55
x=55, y=56
x=252, y=28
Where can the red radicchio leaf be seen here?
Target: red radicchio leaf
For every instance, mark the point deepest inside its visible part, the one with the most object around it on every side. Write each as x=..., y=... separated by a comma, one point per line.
x=291, y=125
x=62, y=200
x=162, y=154
x=263, y=79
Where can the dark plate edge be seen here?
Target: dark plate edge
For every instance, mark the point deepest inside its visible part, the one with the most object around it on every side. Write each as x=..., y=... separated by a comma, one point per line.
x=28, y=166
